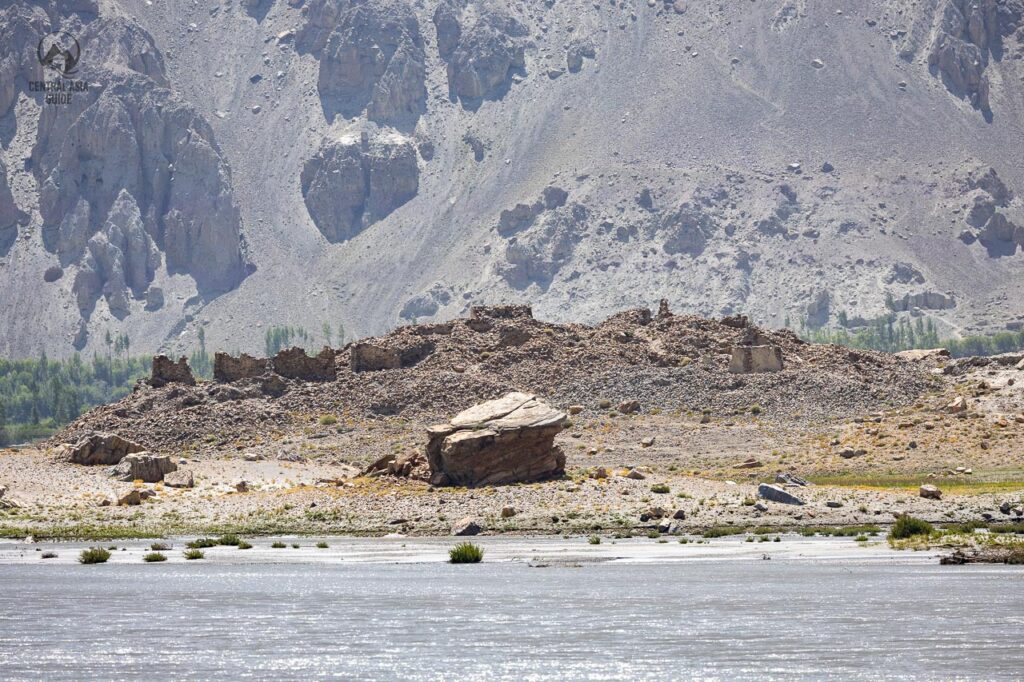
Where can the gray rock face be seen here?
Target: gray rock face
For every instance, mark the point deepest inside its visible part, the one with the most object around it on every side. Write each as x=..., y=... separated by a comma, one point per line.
x=773, y=493
x=10, y=216
x=507, y=440
x=372, y=61
x=181, y=478
x=482, y=46
x=969, y=36
x=99, y=449
x=351, y=184
x=21, y=24
x=143, y=466
x=536, y=254
x=132, y=161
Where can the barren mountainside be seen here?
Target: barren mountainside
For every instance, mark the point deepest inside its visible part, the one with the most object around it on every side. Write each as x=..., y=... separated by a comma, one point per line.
x=233, y=165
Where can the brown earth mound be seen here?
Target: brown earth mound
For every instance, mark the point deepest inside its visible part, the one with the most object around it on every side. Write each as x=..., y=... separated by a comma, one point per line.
x=665, y=363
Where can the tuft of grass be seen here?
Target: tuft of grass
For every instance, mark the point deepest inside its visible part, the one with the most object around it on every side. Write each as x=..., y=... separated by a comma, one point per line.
x=48, y=555
x=328, y=420
x=93, y=555
x=278, y=545
x=192, y=554
x=153, y=557
x=322, y=545
x=160, y=547
x=861, y=538
x=242, y=544
x=229, y=540
x=202, y=543
x=465, y=553
x=594, y=539
x=295, y=545
x=660, y=488
x=907, y=526
x=722, y=531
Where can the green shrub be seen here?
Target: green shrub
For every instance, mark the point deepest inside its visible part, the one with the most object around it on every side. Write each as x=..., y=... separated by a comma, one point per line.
x=722, y=531
x=322, y=545
x=328, y=420
x=154, y=557
x=229, y=540
x=192, y=554
x=93, y=555
x=202, y=543
x=278, y=545
x=295, y=545
x=465, y=553
x=660, y=488
x=861, y=538
x=907, y=526
x=594, y=539
x=756, y=409
x=159, y=547
x=242, y=544
x=48, y=555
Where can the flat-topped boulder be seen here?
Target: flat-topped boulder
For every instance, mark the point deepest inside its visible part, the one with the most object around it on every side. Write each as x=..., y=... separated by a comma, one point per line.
x=99, y=449
x=507, y=440
x=143, y=466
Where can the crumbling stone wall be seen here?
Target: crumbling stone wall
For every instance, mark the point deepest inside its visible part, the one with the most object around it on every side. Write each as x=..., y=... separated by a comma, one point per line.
x=293, y=363
x=227, y=368
x=165, y=371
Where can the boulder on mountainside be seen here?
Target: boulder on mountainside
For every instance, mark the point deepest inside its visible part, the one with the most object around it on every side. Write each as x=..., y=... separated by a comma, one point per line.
x=143, y=466
x=352, y=182
x=482, y=46
x=181, y=478
x=98, y=449
x=774, y=493
x=507, y=440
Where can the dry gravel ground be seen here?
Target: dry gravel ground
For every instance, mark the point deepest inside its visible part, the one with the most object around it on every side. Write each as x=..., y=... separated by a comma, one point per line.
x=323, y=493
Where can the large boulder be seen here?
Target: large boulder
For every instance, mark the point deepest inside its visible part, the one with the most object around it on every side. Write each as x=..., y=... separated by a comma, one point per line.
x=166, y=371
x=774, y=493
x=143, y=466
x=752, y=359
x=353, y=182
x=508, y=440
x=482, y=45
x=100, y=449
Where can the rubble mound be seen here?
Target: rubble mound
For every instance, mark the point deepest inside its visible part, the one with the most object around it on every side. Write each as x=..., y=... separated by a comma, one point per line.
x=427, y=372
x=508, y=440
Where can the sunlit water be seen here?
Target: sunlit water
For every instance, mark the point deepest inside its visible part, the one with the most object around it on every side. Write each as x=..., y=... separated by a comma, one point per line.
x=716, y=617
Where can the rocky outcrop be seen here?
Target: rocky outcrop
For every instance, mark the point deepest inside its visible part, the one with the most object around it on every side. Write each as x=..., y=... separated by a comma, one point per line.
x=427, y=303
x=536, y=254
x=925, y=300
x=353, y=182
x=227, y=368
x=507, y=440
x=970, y=34
x=10, y=215
x=753, y=359
x=181, y=478
x=144, y=467
x=99, y=449
x=368, y=357
x=293, y=363
x=166, y=371
x=687, y=229
x=372, y=60
x=482, y=46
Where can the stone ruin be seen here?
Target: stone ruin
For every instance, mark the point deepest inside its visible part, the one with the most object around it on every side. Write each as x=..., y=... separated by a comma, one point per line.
x=500, y=312
x=293, y=363
x=165, y=371
x=753, y=359
x=227, y=368
x=508, y=440
x=368, y=357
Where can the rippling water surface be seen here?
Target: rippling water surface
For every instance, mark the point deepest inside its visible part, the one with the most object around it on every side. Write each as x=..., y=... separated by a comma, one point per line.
x=711, y=619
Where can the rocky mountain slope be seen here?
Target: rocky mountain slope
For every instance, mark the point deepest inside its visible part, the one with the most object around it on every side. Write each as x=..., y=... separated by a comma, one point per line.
x=240, y=164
